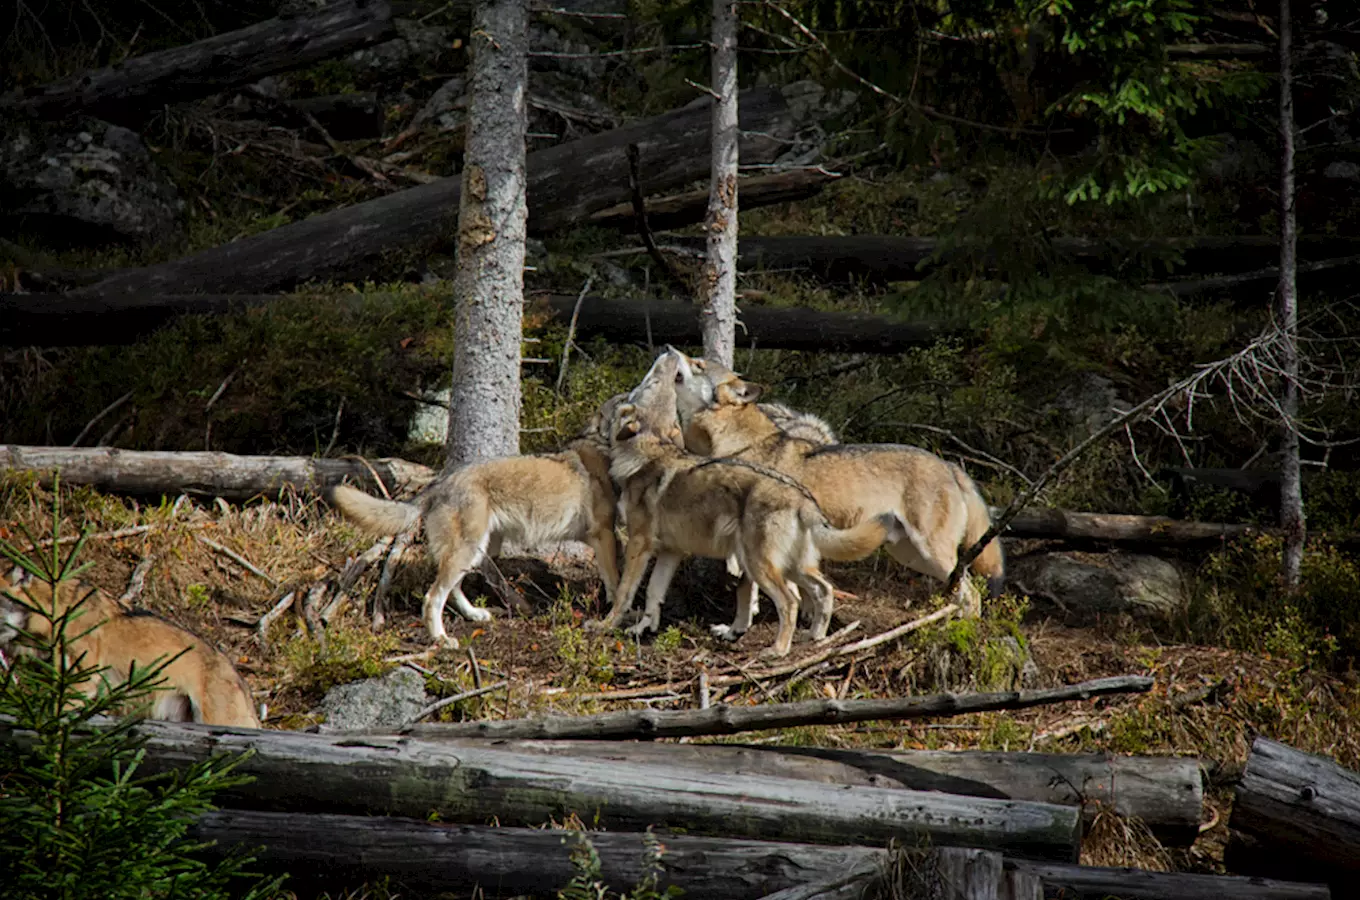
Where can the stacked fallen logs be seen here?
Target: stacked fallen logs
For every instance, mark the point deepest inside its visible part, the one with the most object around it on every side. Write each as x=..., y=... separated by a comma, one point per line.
x=741, y=822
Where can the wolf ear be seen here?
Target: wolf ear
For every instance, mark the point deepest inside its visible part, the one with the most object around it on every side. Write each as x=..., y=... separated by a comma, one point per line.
x=627, y=423
x=738, y=393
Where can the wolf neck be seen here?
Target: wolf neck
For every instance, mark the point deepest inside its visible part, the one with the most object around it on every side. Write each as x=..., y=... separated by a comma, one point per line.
x=734, y=430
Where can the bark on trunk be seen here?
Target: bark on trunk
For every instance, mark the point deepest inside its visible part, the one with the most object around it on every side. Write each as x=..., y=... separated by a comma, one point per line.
x=488, y=288
x=1291, y=484
x=506, y=861
x=206, y=473
x=377, y=775
x=690, y=208
x=718, y=280
x=1100, y=883
x=1302, y=813
x=1165, y=793
x=566, y=184
x=128, y=91
x=724, y=719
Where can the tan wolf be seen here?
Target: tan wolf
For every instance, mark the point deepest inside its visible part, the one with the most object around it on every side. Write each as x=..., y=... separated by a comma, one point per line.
x=936, y=500
x=680, y=505
x=469, y=512
x=201, y=685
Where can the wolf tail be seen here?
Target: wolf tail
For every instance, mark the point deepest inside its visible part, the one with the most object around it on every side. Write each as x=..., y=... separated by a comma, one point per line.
x=858, y=541
x=991, y=562
x=372, y=514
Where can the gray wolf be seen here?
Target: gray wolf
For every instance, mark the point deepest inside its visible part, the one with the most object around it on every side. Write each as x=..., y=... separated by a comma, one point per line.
x=201, y=684
x=937, y=502
x=679, y=505
x=469, y=512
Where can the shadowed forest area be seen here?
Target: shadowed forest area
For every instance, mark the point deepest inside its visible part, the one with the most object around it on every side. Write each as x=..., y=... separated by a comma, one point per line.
x=999, y=231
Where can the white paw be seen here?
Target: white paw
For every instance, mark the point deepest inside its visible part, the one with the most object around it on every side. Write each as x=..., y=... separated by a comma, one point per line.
x=445, y=641
x=772, y=652
x=644, y=625
x=597, y=625
x=477, y=614
x=725, y=633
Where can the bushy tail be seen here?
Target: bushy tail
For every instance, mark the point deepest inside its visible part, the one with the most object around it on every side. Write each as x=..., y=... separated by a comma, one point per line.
x=991, y=562
x=857, y=542
x=373, y=514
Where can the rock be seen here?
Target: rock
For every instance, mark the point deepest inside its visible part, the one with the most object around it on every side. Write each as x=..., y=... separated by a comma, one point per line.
x=1087, y=585
x=1342, y=170
x=1089, y=401
x=386, y=702
x=447, y=108
x=87, y=182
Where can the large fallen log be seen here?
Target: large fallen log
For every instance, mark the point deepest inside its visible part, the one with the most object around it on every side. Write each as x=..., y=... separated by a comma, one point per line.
x=1165, y=793
x=1099, y=883
x=724, y=719
x=127, y=91
x=1117, y=528
x=680, y=210
x=112, y=318
x=377, y=775
x=457, y=858
x=566, y=183
x=206, y=473
x=1299, y=815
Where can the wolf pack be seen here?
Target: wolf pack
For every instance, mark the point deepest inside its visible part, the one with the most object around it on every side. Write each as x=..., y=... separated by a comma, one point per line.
x=689, y=463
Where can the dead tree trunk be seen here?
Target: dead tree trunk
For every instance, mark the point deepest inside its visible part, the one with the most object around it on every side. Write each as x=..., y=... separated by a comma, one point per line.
x=488, y=288
x=438, y=859
x=724, y=719
x=1099, y=883
x=128, y=91
x=1291, y=484
x=718, y=280
x=1300, y=814
x=1117, y=528
x=206, y=473
x=690, y=208
x=1163, y=792
x=413, y=778
x=566, y=183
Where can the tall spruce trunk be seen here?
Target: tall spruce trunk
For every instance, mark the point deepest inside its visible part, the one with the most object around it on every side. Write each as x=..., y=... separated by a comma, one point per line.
x=489, y=286
x=1291, y=485
x=718, y=284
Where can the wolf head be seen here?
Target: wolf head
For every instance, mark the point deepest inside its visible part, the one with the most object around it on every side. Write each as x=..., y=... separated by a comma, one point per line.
x=654, y=399
x=702, y=384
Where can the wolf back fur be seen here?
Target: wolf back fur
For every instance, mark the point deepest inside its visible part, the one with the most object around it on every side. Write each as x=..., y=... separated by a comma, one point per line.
x=201, y=685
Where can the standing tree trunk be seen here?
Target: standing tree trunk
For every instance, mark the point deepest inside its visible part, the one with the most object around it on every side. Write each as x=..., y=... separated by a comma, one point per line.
x=718, y=284
x=489, y=286
x=1291, y=484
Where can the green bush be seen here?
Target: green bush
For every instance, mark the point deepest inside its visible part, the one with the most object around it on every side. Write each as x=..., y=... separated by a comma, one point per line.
x=78, y=818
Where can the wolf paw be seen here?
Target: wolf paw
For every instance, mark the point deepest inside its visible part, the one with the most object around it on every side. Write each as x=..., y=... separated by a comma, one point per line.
x=725, y=633
x=445, y=641
x=643, y=625
x=772, y=652
x=597, y=625
x=477, y=614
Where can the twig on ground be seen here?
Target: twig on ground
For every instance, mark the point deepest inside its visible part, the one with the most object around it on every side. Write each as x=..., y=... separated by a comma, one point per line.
x=506, y=592
x=476, y=669
x=100, y=536
x=221, y=389
x=238, y=559
x=335, y=429
x=701, y=689
x=399, y=543
x=315, y=628
x=456, y=698
x=101, y=414
x=137, y=583
x=571, y=334
x=262, y=626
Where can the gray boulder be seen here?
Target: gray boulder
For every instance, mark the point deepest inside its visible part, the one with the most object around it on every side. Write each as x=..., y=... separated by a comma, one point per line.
x=387, y=702
x=1089, y=585
x=85, y=182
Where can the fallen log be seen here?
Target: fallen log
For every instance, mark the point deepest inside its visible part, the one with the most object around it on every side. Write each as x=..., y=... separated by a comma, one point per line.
x=1117, y=528
x=206, y=473
x=566, y=183
x=880, y=258
x=724, y=719
x=680, y=210
x=457, y=858
x=104, y=319
x=1165, y=793
x=1070, y=882
x=1320, y=275
x=126, y=92
x=391, y=776
x=1299, y=815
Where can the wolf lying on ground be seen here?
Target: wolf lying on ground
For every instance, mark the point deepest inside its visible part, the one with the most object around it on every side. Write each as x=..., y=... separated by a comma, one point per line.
x=936, y=500
x=201, y=685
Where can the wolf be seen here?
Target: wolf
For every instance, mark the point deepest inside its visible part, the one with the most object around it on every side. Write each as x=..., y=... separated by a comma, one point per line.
x=682, y=505
x=938, y=504
x=469, y=512
x=797, y=424
x=201, y=684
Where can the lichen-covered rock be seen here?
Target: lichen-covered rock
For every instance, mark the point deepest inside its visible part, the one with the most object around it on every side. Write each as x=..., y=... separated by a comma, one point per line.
x=85, y=182
x=387, y=702
x=1089, y=585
